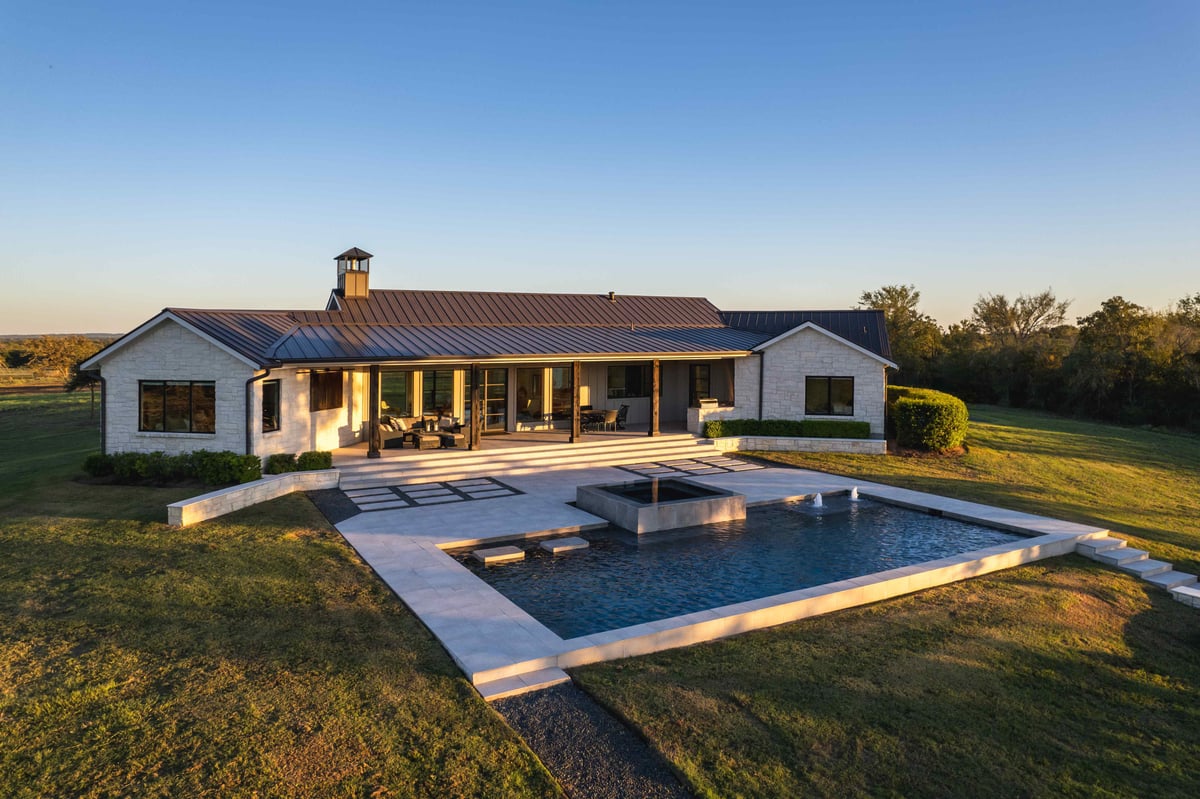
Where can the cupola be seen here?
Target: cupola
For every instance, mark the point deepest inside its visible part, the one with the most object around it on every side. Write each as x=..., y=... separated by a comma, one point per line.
x=353, y=268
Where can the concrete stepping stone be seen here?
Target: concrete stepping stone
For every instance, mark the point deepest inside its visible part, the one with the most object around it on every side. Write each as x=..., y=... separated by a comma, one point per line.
x=391, y=505
x=557, y=546
x=522, y=683
x=1171, y=579
x=1094, y=546
x=1121, y=556
x=1187, y=594
x=1145, y=567
x=498, y=555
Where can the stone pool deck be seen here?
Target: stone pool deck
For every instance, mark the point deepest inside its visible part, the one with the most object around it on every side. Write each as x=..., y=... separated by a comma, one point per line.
x=505, y=651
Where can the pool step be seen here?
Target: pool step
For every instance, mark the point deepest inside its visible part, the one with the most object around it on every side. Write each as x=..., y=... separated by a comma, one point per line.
x=1113, y=552
x=521, y=683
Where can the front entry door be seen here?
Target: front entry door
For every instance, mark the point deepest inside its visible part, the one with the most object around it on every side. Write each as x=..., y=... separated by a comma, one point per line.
x=494, y=394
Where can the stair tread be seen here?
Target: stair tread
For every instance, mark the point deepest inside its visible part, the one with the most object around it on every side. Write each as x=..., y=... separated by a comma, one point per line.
x=1145, y=566
x=1172, y=579
x=522, y=683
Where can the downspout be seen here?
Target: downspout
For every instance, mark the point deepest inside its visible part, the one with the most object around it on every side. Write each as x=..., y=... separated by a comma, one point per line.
x=761, y=368
x=99, y=378
x=250, y=408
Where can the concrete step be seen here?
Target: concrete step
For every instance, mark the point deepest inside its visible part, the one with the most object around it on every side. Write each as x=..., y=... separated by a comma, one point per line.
x=522, y=683
x=1121, y=556
x=1145, y=567
x=1171, y=579
x=1187, y=594
x=1093, y=547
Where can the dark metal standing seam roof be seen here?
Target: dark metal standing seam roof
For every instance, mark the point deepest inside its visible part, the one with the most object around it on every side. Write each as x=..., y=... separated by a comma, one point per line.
x=250, y=333
x=866, y=328
x=502, y=308
x=343, y=342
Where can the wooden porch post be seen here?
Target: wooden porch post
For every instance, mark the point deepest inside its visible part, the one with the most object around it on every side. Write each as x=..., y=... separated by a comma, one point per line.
x=655, y=386
x=373, y=413
x=476, y=431
x=576, y=430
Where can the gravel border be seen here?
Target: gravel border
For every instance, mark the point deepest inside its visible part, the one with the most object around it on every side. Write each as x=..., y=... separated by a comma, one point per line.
x=591, y=753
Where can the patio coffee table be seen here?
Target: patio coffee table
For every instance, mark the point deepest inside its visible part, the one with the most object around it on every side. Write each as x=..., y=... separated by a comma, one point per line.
x=425, y=440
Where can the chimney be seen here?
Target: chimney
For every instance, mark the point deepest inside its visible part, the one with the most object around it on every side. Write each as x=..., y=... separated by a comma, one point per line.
x=353, y=269
x=612, y=297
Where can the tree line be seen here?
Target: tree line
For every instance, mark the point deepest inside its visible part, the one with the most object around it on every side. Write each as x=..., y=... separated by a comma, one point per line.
x=47, y=359
x=1123, y=362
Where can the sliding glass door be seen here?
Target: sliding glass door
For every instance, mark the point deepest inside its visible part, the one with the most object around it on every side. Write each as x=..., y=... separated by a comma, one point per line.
x=493, y=392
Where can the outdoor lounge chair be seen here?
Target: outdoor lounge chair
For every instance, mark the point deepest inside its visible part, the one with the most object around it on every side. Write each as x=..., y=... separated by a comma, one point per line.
x=622, y=414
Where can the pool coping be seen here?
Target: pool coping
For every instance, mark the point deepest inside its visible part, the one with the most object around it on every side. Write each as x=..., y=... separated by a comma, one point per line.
x=498, y=645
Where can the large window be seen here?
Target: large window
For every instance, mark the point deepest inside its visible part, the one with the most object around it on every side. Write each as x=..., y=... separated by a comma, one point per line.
x=396, y=393
x=562, y=393
x=829, y=396
x=530, y=395
x=270, y=406
x=699, y=383
x=627, y=382
x=177, y=406
x=437, y=391
x=325, y=390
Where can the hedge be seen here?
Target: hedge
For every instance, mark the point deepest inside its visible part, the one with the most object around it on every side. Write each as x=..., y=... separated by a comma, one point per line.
x=159, y=468
x=790, y=428
x=921, y=418
x=309, y=461
x=280, y=463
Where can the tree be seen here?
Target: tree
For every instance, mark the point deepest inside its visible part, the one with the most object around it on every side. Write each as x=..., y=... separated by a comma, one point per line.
x=915, y=337
x=59, y=355
x=1112, y=357
x=1026, y=344
x=1016, y=323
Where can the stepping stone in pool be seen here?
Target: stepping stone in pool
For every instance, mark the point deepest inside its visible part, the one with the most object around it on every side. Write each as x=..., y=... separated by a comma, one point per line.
x=498, y=555
x=557, y=546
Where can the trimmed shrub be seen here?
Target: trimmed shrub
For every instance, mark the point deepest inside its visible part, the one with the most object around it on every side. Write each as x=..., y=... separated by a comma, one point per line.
x=160, y=468
x=312, y=460
x=226, y=468
x=792, y=428
x=125, y=466
x=926, y=419
x=280, y=463
x=98, y=464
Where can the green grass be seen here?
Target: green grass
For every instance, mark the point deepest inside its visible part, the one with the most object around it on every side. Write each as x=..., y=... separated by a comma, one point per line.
x=254, y=655
x=1061, y=678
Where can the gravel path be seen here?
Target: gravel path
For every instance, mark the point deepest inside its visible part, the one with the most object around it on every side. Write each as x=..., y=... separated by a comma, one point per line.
x=591, y=753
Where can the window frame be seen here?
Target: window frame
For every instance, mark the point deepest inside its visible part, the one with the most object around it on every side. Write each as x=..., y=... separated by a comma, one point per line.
x=645, y=376
x=828, y=408
x=277, y=386
x=694, y=380
x=193, y=397
x=321, y=390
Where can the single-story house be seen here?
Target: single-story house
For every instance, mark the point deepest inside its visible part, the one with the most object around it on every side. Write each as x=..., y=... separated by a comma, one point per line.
x=267, y=382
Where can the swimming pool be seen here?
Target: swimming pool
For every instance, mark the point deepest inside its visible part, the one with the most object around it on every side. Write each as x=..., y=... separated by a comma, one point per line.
x=623, y=579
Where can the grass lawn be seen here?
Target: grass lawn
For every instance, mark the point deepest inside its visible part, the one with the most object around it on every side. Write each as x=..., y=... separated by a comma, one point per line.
x=1061, y=678
x=253, y=655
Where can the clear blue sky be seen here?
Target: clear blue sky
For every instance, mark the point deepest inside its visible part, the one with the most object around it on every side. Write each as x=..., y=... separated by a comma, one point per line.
x=765, y=155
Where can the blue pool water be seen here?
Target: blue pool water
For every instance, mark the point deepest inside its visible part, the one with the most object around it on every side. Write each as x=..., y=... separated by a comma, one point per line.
x=623, y=580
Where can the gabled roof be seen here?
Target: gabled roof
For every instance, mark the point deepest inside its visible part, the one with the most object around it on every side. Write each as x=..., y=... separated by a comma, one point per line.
x=498, y=308
x=430, y=325
x=864, y=328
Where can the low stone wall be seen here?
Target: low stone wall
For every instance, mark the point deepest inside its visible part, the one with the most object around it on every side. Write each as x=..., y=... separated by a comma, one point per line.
x=227, y=500
x=857, y=446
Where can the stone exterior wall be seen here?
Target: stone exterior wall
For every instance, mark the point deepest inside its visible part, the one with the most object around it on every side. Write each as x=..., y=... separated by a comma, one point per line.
x=858, y=446
x=301, y=430
x=171, y=352
x=810, y=353
x=227, y=500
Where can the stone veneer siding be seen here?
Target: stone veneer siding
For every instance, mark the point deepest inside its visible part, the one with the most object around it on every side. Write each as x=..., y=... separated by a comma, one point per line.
x=171, y=352
x=301, y=430
x=810, y=353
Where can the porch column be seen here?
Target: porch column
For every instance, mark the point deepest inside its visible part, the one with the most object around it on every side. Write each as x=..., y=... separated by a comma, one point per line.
x=373, y=414
x=576, y=429
x=476, y=431
x=655, y=386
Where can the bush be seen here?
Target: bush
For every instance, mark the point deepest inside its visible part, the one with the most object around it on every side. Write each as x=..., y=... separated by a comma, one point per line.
x=98, y=465
x=803, y=428
x=280, y=463
x=226, y=468
x=309, y=461
x=926, y=419
x=125, y=466
x=160, y=468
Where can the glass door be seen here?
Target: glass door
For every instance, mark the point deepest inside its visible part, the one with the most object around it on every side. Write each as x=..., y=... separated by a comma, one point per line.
x=494, y=394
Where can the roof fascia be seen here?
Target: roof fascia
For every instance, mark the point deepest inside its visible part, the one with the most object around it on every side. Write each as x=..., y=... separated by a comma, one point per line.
x=146, y=327
x=830, y=334
x=505, y=359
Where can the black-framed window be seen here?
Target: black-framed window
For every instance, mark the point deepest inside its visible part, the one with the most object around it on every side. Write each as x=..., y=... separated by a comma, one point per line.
x=829, y=396
x=699, y=383
x=437, y=391
x=325, y=390
x=630, y=382
x=396, y=392
x=177, y=406
x=270, y=406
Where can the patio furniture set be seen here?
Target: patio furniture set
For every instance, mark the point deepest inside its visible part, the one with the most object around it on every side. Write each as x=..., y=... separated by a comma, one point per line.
x=427, y=432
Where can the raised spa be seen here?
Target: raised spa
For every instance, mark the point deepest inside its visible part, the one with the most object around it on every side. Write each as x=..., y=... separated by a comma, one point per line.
x=646, y=506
